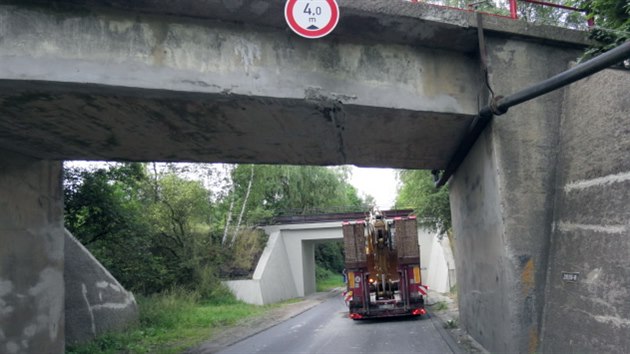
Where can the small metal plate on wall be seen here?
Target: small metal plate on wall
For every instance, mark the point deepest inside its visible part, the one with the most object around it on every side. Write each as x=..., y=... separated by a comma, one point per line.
x=571, y=277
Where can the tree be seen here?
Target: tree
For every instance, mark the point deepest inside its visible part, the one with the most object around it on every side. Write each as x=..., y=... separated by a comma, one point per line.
x=179, y=217
x=244, y=204
x=283, y=189
x=330, y=255
x=431, y=204
x=105, y=211
x=612, y=20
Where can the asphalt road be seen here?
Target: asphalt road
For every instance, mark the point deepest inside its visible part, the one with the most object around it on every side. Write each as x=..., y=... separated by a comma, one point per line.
x=326, y=328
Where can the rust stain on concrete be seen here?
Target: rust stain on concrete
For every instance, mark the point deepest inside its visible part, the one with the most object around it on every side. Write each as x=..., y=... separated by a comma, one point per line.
x=527, y=277
x=533, y=340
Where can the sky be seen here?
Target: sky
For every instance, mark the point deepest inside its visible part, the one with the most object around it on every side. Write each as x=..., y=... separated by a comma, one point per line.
x=380, y=183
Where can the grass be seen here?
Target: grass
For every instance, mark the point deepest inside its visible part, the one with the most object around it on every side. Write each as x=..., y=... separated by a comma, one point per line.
x=440, y=306
x=179, y=319
x=327, y=280
x=172, y=322
x=450, y=324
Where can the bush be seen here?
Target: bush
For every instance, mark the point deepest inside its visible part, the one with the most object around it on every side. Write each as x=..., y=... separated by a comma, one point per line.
x=164, y=310
x=327, y=279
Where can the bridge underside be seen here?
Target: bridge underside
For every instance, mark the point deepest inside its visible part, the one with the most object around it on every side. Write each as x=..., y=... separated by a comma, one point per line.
x=65, y=121
x=118, y=85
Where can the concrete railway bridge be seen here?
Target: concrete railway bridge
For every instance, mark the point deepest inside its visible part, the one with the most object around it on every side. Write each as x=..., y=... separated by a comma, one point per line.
x=539, y=203
x=286, y=268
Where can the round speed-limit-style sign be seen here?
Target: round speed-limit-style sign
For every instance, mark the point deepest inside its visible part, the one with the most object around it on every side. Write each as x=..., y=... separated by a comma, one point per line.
x=312, y=18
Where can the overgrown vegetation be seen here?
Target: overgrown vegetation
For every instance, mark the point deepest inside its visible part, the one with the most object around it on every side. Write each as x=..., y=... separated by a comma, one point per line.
x=171, y=322
x=155, y=229
x=612, y=23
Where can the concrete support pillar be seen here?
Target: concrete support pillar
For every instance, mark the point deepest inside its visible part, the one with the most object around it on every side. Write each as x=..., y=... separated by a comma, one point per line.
x=31, y=255
x=308, y=269
x=502, y=203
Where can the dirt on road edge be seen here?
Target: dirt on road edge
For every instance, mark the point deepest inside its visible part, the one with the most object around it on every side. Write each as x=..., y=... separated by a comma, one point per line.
x=446, y=320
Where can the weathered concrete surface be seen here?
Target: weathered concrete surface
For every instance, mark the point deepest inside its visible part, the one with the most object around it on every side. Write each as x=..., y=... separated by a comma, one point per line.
x=121, y=86
x=395, y=85
x=31, y=255
x=95, y=301
x=592, y=221
x=502, y=203
x=384, y=21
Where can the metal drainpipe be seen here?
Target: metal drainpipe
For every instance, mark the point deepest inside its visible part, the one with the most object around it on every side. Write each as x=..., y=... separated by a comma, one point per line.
x=502, y=104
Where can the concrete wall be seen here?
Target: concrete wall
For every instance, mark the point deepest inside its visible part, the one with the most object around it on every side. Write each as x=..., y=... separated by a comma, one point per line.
x=502, y=203
x=591, y=234
x=31, y=255
x=273, y=279
x=95, y=302
x=442, y=275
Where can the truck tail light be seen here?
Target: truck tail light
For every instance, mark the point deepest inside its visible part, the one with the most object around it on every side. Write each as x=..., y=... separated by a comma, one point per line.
x=418, y=312
x=356, y=316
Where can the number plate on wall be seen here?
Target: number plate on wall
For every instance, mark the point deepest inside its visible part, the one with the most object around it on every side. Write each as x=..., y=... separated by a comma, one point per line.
x=570, y=276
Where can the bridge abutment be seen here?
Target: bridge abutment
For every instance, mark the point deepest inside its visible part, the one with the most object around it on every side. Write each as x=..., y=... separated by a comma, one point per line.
x=590, y=235
x=511, y=247
x=31, y=255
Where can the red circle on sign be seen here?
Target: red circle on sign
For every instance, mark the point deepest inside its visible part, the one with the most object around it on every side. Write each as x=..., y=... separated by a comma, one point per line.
x=334, y=18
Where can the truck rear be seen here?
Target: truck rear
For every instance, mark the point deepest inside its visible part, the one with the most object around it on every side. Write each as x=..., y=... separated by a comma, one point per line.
x=383, y=267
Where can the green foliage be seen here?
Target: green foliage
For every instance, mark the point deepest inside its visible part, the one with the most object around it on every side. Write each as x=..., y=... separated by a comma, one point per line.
x=280, y=189
x=150, y=233
x=330, y=255
x=430, y=204
x=326, y=279
x=248, y=246
x=451, y=324
x=154, y=229
x=440, y=306
x=105, y=210
x=612, y=20
x=178, y=216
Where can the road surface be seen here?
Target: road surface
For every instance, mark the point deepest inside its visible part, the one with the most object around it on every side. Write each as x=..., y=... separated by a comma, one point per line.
x=326, y=328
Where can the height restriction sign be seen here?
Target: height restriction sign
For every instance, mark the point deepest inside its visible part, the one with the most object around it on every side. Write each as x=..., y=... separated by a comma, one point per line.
x=312, y=18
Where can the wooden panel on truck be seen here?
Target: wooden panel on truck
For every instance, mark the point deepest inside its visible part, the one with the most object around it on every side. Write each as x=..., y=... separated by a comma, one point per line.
x=407, y=241
x=354, y=245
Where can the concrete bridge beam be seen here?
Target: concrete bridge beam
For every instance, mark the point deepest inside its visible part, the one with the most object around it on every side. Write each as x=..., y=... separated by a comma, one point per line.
x=119, y=85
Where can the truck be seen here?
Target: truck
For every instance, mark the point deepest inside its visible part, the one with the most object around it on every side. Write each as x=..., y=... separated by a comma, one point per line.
x=382, y=260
